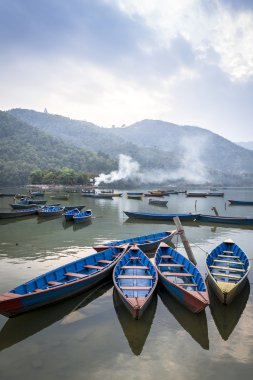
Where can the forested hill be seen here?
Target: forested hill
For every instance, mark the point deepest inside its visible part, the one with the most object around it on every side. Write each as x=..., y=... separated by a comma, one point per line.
x=25, y=148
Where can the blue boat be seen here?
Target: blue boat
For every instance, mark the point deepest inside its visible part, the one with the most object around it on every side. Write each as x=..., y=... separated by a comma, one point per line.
x=227, y=268
x=61, y=283
x=18, y=213
x=50, y=211
x=28, y=201
x=37, y=194
x=181, y=278
x=67, y=208
x=225, y=219
x=152, y=216
x=145, y=242
x=135, y=279
x=69, y=214
x=82, y=216
x=240, y=203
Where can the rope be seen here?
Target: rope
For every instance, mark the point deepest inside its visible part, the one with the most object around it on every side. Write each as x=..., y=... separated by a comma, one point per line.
x=198, y=247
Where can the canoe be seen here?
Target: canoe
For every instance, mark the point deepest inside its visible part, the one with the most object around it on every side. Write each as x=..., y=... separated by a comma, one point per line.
x=157, y=202
x=71, y=213
x=135, y=279
x=227, y=269
x=16, y=206
x=198, y=195
x=181, y=278
x=18, y=213
x=61, y=283
x=37, y=194
x=29, y=201
x=50, y=211
x=152, y=216
x=225, y=219
x=82, y=216
x=103, y=195
x=60, y=196
x=240, y=203
x=145, y=242
x=215, y=194
x=67, y=208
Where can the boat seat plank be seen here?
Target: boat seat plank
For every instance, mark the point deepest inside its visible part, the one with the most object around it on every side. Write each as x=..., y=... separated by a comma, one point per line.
x=88, y=266
x=54, y=283
x=78, y=275
x=134, y=258
x=184, y=284
x=122, y=276
x=105, y=261
x=134, y=267
x=230, y=256
x=228, y=262
x=227, y=268
x=177, y=274
x=166, y=257
x=226, y=275
x=135, y=287
x=171, y=265
x=228, y=251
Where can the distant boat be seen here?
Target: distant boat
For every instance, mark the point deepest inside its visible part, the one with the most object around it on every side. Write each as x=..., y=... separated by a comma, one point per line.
x=71, y=213
x=16, y=206
x=197, y=195
x=82, y=216
x=29, y=201
x=215, y=194
x=50, y=211
x=135, y=279
x=145, y=242
x=157, y=202
x=134, y=195
x=181, y=278
x=67, y=208
x=225, y=219
x=227, y=269
x=60, y=196
x=152, y=216
x=37, y=194
x=60, y=283
x=18, y=213
x=240, y=203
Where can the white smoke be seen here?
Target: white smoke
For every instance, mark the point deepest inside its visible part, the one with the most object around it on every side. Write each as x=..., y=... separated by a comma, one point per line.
x=191, y=167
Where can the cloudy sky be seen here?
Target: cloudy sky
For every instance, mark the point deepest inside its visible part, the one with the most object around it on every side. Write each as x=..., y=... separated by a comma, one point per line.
x=114, y=62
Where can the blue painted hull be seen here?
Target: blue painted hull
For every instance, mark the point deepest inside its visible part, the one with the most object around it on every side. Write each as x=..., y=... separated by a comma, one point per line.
x=240, y=203
x=61, y=283
x=82, y=217
x=151, y=216
x=225, y=219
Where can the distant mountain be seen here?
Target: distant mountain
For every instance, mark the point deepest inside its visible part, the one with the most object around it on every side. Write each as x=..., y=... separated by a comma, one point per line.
x=25, y=148
x=246, y=145
x=165, y=152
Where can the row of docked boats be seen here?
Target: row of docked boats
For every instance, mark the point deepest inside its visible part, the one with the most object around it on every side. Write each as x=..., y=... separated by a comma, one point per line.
x=135, y=277
x=43, y=211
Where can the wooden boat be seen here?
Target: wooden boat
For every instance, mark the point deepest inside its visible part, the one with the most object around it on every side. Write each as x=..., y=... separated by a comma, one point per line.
x=240, y=203
x=60, y=196
x=67, y=208
x=152, y=216
x=82, y=217
x=157, y=202
x=145, y=242
x=181, y=278
x=197, y=195
x=29, y=201
x=153, y=195
x=16, y=206
x=61, y=283
x=215, y=194
x=18, y=213
x=71, y=213
x=18, y=196
x=135, y=279
x=225, y=219
x=103, y=195
x=50, y=211
x=37, y=194
x=226, y=317
x=227, y=269
x=136, y=333
x=134, y=195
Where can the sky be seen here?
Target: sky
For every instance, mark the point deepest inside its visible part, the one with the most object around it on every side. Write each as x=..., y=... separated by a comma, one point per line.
x=115, y=62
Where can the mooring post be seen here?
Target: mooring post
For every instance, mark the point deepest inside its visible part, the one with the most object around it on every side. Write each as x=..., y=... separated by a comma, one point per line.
x=215, y=210
x=185, y=242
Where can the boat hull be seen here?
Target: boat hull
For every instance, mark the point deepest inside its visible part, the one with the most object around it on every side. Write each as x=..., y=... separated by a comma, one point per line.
x=18, y=213
x=225, y=219
x=151, y=216
x=240, y=203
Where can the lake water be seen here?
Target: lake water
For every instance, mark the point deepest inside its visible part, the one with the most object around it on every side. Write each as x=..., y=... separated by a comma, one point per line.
x=92, y=336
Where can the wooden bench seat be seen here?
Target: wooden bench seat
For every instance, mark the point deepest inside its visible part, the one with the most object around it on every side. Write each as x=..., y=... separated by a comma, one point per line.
x=54, y=283
x=171, y=265
x=135, y=287
x=228, y=262
x=134, y=267
x=230, y=256
x=134, y=258
x=227, y=268
x=78, y=275
x=88, y=266
x=166, y=257
x=177, y=274
x=184, y=284
x=228, y=251
x=226, y=275
x=122, y=276
x=105, y=261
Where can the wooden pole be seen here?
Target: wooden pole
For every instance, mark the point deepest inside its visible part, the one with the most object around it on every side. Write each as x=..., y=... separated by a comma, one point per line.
x=185, y=242
x=215, y=210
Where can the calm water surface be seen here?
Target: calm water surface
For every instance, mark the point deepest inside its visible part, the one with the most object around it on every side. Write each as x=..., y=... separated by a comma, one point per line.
x=92, y=336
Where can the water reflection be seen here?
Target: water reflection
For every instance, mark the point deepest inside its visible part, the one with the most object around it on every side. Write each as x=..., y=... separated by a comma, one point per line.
x=194, y=324
x=21, y=327
x=226, y=317
x=136, y=331
x=80, y=226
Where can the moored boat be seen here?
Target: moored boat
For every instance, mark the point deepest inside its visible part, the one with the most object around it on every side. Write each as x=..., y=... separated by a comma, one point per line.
x=18, y=213
x=71, y=213
x=60, y=196
x=157, y=202
x=67, y=208
x=152, y=216
x=138, y=196
x=145, y=242
x=197, y=195
x=135, y=279
x=215, y=194
x=227, y=269
x=181, y=278
x=233, y=202
x=50, y=211
x=82, y=217
x=225, y=219
x=16, y=206
x=60, y=283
